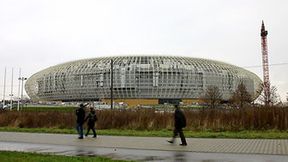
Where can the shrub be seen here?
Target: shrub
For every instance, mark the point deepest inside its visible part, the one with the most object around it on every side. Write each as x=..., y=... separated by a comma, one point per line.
x=248, y=118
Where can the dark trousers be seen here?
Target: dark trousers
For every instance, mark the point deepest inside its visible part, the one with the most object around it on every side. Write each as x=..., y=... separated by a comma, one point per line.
x=181, y=134
x=93, y=129
x=79, y=128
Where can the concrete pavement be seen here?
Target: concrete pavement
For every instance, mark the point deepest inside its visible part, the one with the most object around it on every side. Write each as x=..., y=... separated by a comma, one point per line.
x=236, y=146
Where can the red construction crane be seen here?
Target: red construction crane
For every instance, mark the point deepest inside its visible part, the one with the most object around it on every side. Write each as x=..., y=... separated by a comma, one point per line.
x=266, y=84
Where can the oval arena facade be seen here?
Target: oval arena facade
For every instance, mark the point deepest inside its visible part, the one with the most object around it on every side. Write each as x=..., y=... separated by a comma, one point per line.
x=138, y=80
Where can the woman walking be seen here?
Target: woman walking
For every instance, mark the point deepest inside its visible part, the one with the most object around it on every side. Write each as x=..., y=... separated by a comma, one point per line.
x=92, y=118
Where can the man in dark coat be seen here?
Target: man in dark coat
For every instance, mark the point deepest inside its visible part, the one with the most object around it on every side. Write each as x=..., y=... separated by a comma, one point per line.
x=80, y=114
x=92, y=118
x=179, y=123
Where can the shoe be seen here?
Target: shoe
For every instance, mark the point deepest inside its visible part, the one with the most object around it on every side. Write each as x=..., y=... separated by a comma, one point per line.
x=183, y=144
x=80, y=137
x=170, y=141
x=94, y=137
x=86, y=135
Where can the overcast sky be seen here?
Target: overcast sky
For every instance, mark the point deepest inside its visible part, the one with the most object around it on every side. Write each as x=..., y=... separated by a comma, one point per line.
x=36, y=34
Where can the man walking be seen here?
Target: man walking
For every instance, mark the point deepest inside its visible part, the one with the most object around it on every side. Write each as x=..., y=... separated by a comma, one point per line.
x=92, y=118
x=179, y=123
x=80, y=114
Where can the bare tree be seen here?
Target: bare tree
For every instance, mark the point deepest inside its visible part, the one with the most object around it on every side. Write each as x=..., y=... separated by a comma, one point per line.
x=213, y=96
x=274, y=96
x=241, y=95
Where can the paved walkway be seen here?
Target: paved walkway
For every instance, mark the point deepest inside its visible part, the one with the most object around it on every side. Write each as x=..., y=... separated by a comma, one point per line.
x=236, y=146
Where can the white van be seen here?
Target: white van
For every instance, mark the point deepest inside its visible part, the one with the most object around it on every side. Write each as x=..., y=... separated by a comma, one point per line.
x=101, y=105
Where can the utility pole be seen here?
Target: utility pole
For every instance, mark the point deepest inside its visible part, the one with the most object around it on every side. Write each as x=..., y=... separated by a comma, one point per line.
x=111, y=84
x=266, y=84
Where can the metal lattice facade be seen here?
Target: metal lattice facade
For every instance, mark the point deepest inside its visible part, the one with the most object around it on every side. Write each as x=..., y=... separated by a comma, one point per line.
x=138, y=77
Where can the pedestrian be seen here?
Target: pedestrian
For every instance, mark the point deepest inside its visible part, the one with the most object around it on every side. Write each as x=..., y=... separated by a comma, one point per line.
x=179, y=123
x=80, y=114
x=92, y=118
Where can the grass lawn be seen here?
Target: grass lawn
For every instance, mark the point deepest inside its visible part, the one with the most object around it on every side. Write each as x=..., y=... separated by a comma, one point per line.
x=10, y=156
x=268, y=134
x=49, y=108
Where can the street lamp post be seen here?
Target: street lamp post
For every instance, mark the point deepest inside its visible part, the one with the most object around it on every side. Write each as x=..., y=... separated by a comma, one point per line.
x=4, y=88
x=11, y=101
x=11, y=94
x=22, y=79
x=18, y=103
x=111, y=86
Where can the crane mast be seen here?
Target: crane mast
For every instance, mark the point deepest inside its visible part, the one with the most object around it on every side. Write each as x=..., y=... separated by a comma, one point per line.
x=266, y=82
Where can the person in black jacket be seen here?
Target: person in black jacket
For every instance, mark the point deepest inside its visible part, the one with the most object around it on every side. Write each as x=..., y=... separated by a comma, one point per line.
x=92, y=118
x=179, y=123
x=80, y=114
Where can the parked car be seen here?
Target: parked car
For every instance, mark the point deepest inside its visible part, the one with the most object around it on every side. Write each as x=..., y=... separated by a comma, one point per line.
x=8, y=106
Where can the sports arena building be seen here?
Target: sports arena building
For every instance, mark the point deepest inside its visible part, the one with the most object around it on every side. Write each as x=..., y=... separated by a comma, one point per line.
x=138, y=80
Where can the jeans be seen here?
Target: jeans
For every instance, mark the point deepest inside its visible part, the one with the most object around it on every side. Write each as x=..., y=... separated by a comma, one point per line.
x=79, y=128
x=93, y=129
